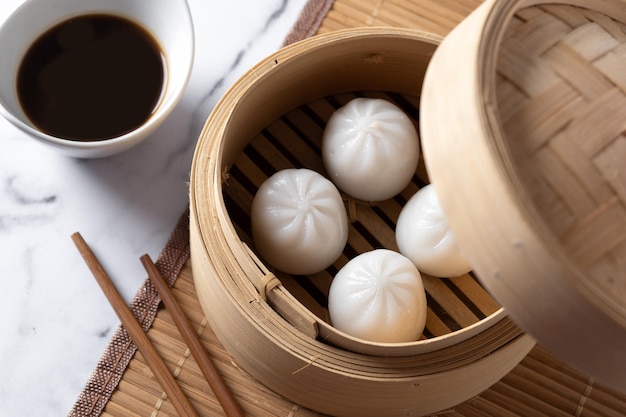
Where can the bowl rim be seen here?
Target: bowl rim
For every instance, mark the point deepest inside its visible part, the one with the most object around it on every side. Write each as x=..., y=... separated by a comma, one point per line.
x=172, y=92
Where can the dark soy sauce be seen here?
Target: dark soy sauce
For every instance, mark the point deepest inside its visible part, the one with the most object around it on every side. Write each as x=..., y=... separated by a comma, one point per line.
x=91, y=78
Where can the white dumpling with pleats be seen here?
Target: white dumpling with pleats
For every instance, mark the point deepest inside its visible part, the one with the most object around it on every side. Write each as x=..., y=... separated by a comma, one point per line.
x=424, y=236
x=378, y=296
x=370, y=149
x=299, y=222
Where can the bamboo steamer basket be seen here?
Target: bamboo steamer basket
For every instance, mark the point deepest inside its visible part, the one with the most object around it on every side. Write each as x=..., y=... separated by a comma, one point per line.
x=539, y=112
x=275, y=325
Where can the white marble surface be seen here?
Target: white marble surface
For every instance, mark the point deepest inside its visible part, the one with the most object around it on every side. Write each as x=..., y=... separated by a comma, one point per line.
x=54, y=320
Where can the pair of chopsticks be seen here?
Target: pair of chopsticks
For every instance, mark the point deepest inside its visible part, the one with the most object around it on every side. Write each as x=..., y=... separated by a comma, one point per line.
x=140, y=339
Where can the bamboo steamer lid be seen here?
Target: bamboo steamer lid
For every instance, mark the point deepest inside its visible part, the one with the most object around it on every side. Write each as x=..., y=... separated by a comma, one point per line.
x=527, y=149
x=264, y=319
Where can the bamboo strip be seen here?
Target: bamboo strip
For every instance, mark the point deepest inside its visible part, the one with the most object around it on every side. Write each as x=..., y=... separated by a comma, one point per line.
x=296, y=142
x=570, y=16
x=480, y=407
x=591, y=180
x=353, y=15
x=435, y=326
x=119, y=410
x=135, y=398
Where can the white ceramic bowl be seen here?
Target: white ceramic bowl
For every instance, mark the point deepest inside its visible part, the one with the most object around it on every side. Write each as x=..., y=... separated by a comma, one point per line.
x=170, y=23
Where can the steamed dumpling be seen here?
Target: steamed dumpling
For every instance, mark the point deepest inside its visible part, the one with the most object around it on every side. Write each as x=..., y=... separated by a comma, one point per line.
x=423, y=235
x=370, y=149
x=378, y=296
x=299, y=222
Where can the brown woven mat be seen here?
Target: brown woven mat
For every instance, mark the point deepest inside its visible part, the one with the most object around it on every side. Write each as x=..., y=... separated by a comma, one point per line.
x=122, y=384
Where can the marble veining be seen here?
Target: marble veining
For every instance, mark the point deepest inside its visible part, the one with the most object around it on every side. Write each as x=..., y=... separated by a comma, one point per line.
x=25, y=203
x=54, y=320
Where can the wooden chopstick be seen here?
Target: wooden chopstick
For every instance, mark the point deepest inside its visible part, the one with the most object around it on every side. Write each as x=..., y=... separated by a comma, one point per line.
x=140, y=339
x=206, y=365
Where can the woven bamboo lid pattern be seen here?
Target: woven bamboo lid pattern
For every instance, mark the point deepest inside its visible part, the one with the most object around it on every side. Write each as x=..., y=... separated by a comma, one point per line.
x=545, y=113
x=565, y=119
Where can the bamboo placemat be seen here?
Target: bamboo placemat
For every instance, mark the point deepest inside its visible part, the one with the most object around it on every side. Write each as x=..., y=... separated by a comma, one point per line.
x=122, y=384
